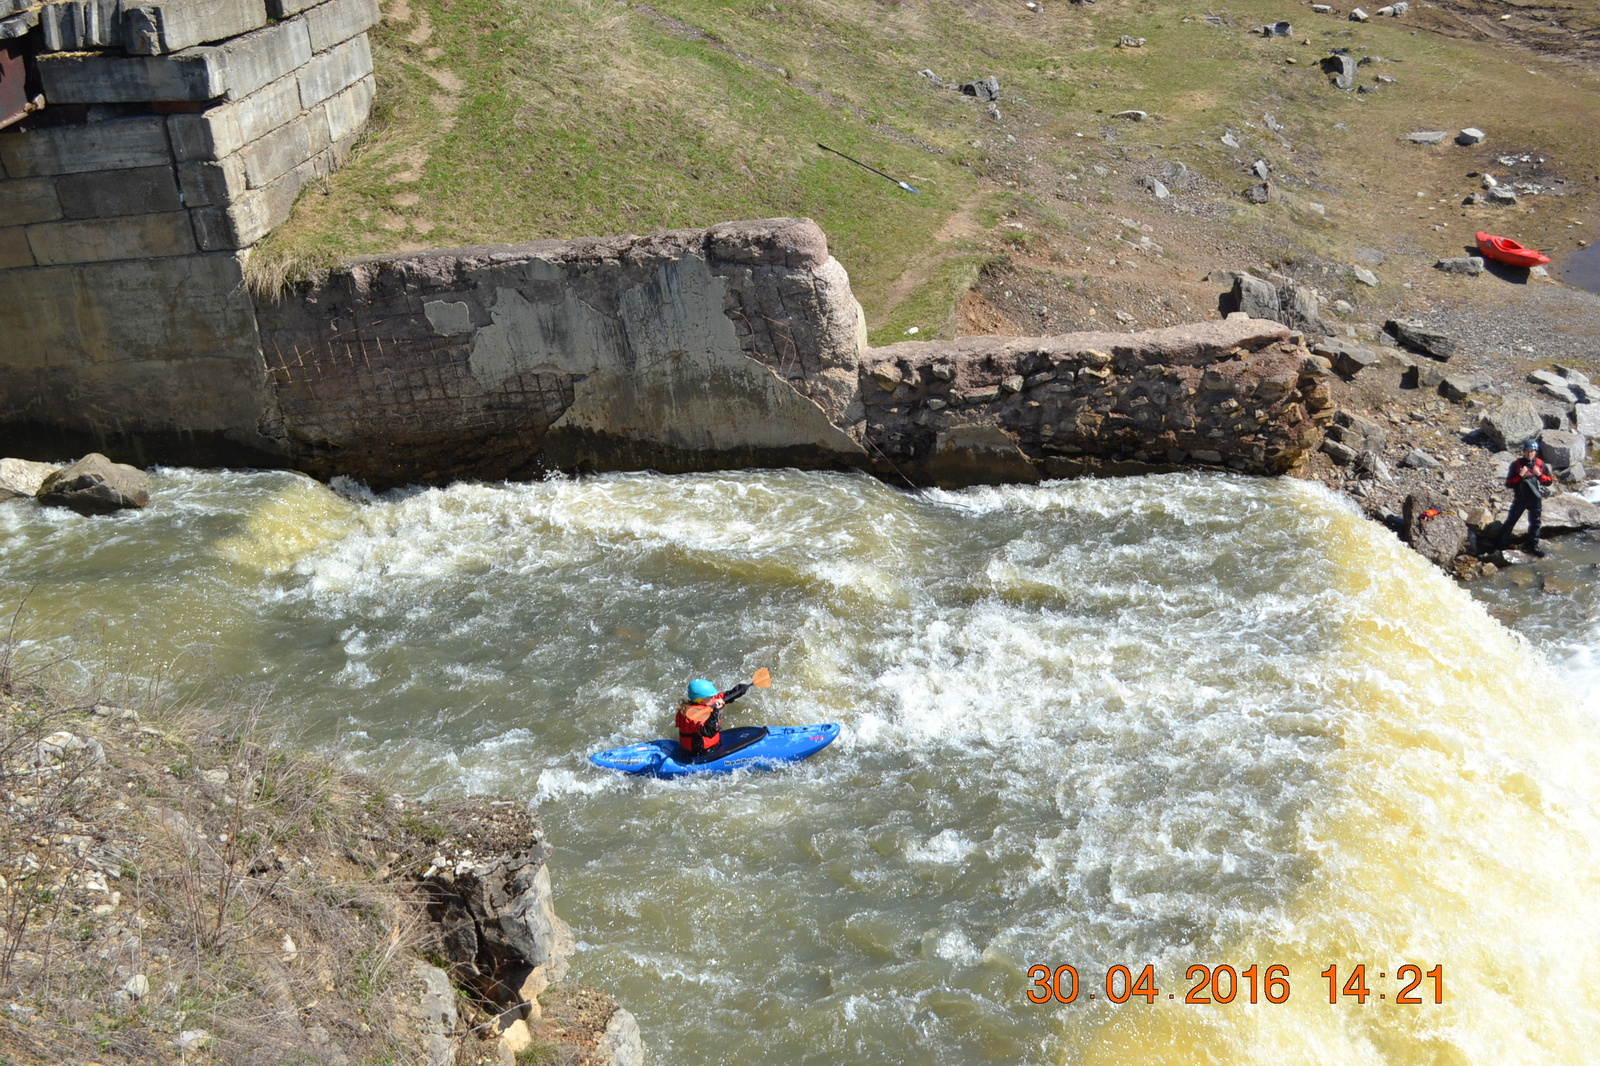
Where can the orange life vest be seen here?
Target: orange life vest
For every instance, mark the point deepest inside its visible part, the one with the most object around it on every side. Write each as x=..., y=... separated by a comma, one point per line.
x=699, y=725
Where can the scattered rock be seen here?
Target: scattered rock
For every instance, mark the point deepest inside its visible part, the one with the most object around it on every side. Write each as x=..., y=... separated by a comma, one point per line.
x=1322, y=9
x=1503, y=194
x=1259, y=194
x=1260, y=169
x=1574, y=474
x=621, y=1044
x=1586, y=419
x=1338, y=452
x=1277, y=29
x=95, y=485
x=1399, y=7
x=1470, y=135
x=1461, y=264
x=934, y=79
x=1422, y=339
x=1342, y=69
x=1560, y=392
x=1458, y=387
x=1427, y=137
x=1230, y=140
x=1369, y=256
x=436, y=1004
x=1365, y=276
x=1130, y=42
x=137, y=986
x=984, y=89
x=1417, y=459
x=1367, y=438
x=1348, y=359
x=1359, y=15
x=1132, y=115
x=1516, y=419
x=190, y=1039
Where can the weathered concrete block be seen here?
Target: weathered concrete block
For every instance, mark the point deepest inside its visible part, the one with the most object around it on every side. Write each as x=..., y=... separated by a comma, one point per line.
x=257, y=59
x=256, y=212
x=75, y=78
x=109, y=193
x=336, y=21
x=210, y=135
x=334, y=70
x=282, y=9
x=25, y=200
x=155, y=27
x=278, y=153
x=232, y=70
x=14, y=249
x=102, y=239
x=269, y=108
x=347, y=111
x=211, y=184
x=144, y=309
x=119, y=144
x=79, y=24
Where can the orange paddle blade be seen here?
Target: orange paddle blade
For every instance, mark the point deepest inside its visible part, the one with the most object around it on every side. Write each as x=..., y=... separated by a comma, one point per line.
x=763, y=679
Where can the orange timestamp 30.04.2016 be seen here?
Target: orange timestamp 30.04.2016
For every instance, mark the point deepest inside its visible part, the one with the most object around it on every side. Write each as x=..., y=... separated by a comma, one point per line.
x=1228, y=984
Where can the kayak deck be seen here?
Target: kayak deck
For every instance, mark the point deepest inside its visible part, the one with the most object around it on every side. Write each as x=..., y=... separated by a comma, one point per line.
x=744, y=748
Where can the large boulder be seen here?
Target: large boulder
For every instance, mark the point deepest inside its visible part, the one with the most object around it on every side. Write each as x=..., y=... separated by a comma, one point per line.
x=19, y=477
x=95, y=485
x=1256, y=298
x=1562, y=450
x=1516, y=420
x=1437, y=534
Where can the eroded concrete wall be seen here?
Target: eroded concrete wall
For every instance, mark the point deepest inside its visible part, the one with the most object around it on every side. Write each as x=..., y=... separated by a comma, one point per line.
x=690, y=350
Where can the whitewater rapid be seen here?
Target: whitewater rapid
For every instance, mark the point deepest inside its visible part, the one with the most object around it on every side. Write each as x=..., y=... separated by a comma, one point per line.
x=1157, y=722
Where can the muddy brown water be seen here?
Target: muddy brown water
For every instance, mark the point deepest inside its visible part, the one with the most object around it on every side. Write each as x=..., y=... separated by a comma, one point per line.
x=1169, y=722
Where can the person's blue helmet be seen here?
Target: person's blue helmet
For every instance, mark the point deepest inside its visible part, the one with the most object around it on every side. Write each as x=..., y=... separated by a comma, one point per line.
x=701, y=689
x=1531, y=446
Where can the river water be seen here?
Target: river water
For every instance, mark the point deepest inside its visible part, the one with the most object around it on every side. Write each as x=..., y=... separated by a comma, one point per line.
x=1167, y=721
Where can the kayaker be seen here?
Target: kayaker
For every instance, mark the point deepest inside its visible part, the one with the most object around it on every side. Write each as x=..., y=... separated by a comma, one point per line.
x=1527, y=478
x=699, y=716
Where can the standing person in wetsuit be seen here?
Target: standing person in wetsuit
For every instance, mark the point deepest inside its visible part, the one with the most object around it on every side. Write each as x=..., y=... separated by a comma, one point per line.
x=699, y=716
x=1527, y=478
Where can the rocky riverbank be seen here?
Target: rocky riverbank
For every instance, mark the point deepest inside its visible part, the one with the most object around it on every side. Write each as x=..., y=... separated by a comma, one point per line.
x=177, y=889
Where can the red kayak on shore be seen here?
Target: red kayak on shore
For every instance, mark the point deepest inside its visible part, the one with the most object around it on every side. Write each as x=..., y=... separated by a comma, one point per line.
x=1506, y=250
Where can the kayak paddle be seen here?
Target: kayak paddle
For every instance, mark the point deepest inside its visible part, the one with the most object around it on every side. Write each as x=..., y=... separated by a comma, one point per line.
x=762, y=678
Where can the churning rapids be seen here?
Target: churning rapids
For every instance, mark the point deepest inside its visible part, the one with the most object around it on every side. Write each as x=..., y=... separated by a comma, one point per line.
x=1174, y=720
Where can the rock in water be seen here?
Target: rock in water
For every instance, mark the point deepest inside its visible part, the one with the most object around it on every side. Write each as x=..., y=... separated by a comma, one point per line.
x=1568, y=513
x=95, y=485
x=1514, y=421
x=1421, y=338
x=19, y=477
x=1434, y=533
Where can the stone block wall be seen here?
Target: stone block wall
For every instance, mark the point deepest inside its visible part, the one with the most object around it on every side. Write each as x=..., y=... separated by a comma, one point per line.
x=169, y=138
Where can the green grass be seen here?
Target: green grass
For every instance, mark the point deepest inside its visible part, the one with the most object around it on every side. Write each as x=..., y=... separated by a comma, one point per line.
x=518, y=120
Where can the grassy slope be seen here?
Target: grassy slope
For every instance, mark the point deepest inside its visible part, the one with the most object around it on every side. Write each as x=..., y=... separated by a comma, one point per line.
x=501, y=120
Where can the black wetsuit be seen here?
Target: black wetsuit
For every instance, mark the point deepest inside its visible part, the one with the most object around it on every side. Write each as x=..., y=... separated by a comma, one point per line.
x=1523, y=477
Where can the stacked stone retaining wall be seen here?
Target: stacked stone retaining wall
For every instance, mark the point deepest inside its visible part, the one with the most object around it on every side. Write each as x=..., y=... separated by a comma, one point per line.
x=168, y=138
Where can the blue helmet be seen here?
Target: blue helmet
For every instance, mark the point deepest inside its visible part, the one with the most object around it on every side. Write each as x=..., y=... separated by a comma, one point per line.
x=1531, y=446
x=701, y=689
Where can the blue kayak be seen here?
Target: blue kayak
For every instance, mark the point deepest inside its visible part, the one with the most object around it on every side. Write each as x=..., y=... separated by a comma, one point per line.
x=755, y=747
